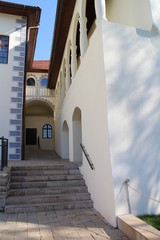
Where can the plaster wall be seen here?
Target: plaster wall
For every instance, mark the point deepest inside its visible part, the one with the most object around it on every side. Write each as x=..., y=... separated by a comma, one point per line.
x=88, y=93
x=11, y=80
x=38, y=122
x=132, y=58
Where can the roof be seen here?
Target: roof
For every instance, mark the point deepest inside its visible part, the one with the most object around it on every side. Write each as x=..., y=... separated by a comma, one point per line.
x=33, y=19
x=40, y=66
x=62, y=23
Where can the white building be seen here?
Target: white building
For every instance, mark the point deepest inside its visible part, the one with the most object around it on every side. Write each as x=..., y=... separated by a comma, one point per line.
x=105, y=71
x=104, y=93
x=15, y=22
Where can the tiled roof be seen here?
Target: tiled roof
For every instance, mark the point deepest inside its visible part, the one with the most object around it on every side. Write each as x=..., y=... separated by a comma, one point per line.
x=41, y=64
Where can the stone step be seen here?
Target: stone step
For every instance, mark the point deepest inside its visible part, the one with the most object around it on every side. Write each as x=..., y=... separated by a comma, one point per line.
x=46, y=178
x=45, y=172
x=47, y=184
x=54, y=166
x=42, y=191
x=23, y=208
x=47, y=198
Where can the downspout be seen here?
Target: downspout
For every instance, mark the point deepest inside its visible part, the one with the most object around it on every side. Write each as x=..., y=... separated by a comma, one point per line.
x=24, y=90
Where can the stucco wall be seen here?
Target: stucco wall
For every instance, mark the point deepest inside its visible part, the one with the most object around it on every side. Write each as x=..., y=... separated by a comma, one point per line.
x=132, y=59
x=87, y=92
x=12, y=76
x=38, y=123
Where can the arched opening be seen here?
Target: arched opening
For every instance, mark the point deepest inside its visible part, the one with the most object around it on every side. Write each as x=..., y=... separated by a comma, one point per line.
x=30, y=82
x=65, y=141
x=91, y=17
x=77, y=135
x=44, y=82
x=39, y=124
x=78, y=44
x=70, y=72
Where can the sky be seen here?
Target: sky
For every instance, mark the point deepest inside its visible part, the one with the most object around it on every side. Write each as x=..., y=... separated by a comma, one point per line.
x=45, y=33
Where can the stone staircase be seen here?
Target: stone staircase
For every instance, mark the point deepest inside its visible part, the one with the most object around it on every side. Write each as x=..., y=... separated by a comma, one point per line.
x=58, y=186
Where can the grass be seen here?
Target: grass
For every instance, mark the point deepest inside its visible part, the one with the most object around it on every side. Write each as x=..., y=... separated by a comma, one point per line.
x=153, y=220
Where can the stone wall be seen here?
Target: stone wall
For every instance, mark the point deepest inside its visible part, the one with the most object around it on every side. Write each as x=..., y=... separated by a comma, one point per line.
x=4, y=186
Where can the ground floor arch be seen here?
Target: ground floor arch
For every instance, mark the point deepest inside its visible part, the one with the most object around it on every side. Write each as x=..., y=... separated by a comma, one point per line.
x=39, y=125
x=65, y=141
x=77, y=135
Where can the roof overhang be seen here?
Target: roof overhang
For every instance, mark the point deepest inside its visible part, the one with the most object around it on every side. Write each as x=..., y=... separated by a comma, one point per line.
x=33, y=19
x=62, y=23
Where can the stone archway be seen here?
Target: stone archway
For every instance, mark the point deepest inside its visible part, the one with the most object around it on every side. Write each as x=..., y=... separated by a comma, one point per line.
x=38, y=114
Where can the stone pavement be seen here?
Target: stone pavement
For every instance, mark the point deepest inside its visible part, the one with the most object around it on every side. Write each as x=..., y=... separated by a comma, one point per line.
x=57, y=225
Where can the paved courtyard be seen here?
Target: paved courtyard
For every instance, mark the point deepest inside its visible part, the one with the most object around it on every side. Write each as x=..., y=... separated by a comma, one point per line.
x=58, y=225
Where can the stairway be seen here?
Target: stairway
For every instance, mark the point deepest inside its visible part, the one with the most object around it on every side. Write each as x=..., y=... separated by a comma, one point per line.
x=58, y=186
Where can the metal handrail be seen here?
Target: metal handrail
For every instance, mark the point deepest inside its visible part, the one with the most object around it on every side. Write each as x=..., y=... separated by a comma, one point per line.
x=4, y=152
x=87, y=156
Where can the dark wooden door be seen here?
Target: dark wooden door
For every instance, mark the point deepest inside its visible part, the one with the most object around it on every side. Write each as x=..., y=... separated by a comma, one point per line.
x=31, y=136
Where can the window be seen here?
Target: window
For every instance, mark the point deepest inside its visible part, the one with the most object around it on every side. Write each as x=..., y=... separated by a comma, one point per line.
x=30, y=82
x=44, y=82
x=4, y=43
x=47, y=131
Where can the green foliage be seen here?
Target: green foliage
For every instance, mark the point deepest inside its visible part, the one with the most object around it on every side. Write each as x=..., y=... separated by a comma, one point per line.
x=153, y=220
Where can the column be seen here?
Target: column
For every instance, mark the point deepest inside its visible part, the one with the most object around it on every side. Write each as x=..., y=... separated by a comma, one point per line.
x=155, y=14
x=100, y=9
x=83, y=36
x=73, y=60
x=67, y=79
x=63, y=81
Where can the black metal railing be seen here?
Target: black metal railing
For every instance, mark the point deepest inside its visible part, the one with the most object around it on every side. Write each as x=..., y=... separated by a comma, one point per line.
x=87, y=156
x=4, y=152
x=38, y=142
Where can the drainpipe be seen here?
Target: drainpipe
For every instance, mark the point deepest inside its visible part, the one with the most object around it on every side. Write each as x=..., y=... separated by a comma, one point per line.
x=24, y=92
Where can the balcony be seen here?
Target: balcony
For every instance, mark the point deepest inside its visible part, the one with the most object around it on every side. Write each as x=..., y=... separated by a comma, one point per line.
x=32, y=91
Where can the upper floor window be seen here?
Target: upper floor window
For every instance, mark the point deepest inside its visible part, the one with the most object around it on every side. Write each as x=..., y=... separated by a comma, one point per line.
x=44, y=82
x=4, y=44
x=47, y=131
x=30, y=82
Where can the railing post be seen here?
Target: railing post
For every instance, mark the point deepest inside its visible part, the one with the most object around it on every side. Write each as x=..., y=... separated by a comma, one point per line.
x=127, y=195
x=4, y=153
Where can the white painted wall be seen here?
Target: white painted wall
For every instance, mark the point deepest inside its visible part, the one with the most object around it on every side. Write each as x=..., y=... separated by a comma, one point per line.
x=132, y=75
x=38, y=123
x=130, y=12
x=8, y=27
x=88, y=93
x=117, y=89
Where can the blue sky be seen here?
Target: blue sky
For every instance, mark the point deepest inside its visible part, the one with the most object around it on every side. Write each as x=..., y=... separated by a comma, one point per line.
x=45, y=34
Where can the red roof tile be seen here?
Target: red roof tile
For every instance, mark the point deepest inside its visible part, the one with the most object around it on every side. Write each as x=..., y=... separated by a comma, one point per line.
x=41, y=64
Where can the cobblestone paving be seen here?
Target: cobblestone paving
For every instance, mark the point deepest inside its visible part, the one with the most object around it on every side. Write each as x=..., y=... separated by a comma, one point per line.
x=58, y=225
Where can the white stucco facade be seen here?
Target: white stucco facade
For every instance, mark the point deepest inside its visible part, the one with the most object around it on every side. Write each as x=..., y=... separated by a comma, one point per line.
x=131, y=58
x=12, y=77
x=114, y=90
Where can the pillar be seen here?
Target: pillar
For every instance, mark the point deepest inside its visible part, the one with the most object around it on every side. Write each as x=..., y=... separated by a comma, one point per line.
x=100, y=9
x=155, y=14
x=83, y=36
x=67, y=78
x=73, y=60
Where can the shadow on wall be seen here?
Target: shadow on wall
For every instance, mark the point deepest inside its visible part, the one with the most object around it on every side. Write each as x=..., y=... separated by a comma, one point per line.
x=133, y=87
